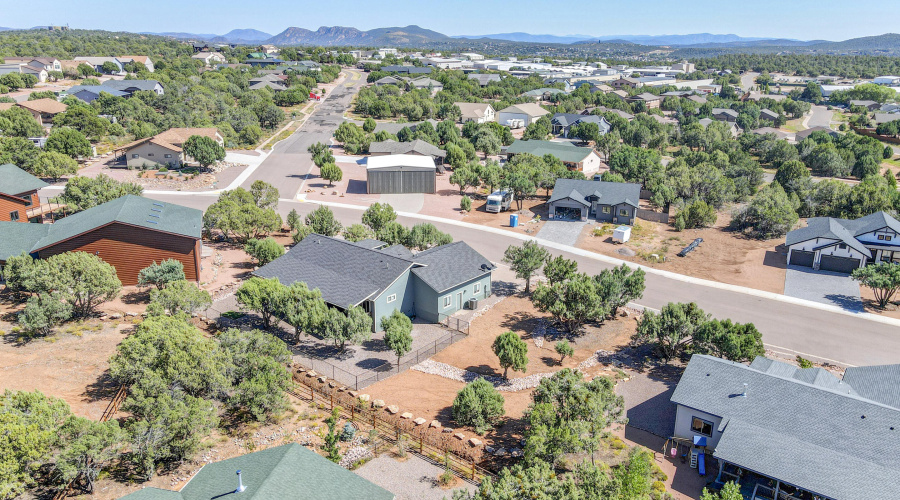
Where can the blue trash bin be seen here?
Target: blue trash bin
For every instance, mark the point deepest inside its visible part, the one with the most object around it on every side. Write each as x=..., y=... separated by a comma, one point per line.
x=513, y=220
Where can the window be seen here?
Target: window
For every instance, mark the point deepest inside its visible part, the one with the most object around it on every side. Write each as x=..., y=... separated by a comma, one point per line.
x=447, y=301
x=167, y=155
x=14, y=216
x=881, y=237
x=887, y=238
x=477, y=287
x=27, y=199
x=149, y=154
x=391, y=298
x=606, y=210
x=623, y=212
x=701, y=426
x=134, y=155
x=842, y=246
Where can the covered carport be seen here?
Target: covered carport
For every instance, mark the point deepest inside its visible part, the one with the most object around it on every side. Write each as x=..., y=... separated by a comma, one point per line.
x=400, y=174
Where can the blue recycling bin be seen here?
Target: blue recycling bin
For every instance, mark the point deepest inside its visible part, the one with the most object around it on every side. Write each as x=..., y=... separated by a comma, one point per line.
x=513, y=220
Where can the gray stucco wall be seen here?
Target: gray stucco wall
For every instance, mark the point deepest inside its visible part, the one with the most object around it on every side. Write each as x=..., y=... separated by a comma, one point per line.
x=683, y=418
x=613, y=215
x=430, y=304
x=405, y=301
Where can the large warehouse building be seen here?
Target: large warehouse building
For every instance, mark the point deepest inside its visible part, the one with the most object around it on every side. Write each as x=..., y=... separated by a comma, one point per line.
x=400, y=174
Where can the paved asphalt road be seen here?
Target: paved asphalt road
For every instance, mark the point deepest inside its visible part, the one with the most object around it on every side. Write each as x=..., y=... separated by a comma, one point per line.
x=289, y=163
x=819, y=116
x=812, y=332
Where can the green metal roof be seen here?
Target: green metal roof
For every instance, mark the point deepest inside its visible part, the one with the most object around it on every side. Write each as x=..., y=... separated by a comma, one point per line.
x=288, y=472
x=14, y=180
x=18, y=237
x=566, y=152
x=129, y=209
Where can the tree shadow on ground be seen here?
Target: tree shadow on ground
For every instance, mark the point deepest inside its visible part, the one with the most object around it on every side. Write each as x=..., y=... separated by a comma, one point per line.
x=137, y=296
x=520, y=321
x=846, y=302
x=504, y=288
x=484, y=370
x=103, y=388
x=357, y=186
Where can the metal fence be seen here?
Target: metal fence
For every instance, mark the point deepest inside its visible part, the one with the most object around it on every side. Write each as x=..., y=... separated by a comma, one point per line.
x=360, y=380
x=458, y=324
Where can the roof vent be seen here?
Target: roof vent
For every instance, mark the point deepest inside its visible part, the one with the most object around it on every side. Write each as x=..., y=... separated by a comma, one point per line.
x=241, y=486
x=161, y=205
x=744, y=394
x=152, y=222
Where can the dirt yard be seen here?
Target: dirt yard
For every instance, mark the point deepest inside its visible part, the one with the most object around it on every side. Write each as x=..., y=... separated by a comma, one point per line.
x=723, y=256
x=431, y=396
x=531, y=217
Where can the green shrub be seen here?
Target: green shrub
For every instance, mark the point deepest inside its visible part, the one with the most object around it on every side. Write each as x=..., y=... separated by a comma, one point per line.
x=478, y=405
x=465, y=204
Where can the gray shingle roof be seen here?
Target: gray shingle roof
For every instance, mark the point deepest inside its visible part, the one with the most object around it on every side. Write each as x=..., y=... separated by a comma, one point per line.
x=878, y=383
x=129, y=209
x=345, y=273
x=569, y=119
x=484, y=79
x=14, y=180
x=402, y=148
x=844, y=230
x=813, y=436
x=129, y=85
x=19, y=237
x=565, y=151
x=607, y=193
x=370, y=243
x=724, y=111
x=449, y=265
x=398, y=251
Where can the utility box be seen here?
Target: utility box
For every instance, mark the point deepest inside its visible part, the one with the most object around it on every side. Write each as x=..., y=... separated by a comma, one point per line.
x=622, y=234
x=473, y=304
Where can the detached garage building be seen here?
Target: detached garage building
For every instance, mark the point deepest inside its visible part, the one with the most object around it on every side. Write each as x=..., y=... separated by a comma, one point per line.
x=129, y=233
x=400, y=174
x=842, y=245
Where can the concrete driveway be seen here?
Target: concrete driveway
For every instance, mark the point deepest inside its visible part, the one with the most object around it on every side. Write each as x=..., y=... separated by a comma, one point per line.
x=836, y=289
x=561, y=231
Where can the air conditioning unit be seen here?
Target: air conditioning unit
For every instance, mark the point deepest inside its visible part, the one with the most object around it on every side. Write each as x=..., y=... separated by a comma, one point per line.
x=473, y=304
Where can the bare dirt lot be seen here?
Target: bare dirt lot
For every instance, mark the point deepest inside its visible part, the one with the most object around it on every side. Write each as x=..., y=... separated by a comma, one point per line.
x=531, y=217
x=724, y=256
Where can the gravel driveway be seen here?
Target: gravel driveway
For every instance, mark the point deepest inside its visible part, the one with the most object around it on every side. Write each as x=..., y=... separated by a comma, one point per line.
x=835, y=289
x=412, y=479
x=561, y=231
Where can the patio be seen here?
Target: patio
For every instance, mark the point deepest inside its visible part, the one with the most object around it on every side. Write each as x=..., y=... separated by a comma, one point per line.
x=759, y=487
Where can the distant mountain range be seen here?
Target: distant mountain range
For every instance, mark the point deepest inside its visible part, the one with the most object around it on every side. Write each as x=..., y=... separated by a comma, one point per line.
x=408, y=36
x=239, y=36
x=529, y=38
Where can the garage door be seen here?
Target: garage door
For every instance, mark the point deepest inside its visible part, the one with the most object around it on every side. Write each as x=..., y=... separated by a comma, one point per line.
x=802, y=258
x=568, y=213
x=838, y=264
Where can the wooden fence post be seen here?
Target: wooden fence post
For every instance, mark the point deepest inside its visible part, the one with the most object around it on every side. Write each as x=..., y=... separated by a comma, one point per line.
x=352, y=413
x=473, y=468
x=332, y=401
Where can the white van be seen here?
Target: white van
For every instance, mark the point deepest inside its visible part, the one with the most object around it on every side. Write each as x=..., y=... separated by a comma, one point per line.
x=499, y=201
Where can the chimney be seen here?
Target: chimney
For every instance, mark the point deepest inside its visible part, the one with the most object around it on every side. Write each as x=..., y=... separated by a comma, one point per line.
x=743, y=394
x=241, y=486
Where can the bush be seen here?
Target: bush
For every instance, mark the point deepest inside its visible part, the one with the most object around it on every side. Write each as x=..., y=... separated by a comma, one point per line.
x=161, y=274
x=348, y=432
x=264, y=251
x=465, y=204
x=478, y=405
x=698, y=214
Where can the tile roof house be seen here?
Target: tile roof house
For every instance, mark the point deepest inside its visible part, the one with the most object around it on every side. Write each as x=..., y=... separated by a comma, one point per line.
x=43, y=110
x=781, y=430
x=18, y=194
x=431, y=285
x=475, y=112
x=165, y=148
x=140, y=60
x=520, y=115
x=562, y=123
x=286, y=472
x=842, y=245
x=614, y=202
x=130, y=233
x=583, y=159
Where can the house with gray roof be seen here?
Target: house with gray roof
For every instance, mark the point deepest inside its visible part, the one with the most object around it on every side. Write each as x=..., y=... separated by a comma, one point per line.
x=725, y=115
x=842, y=245
x=484, y=79
x=18, y=194
x=430, y=285
x=416, y=147
x=794, y=433
x=426, y=83
x=521, y=115
x=583, y=159
x=870, y=105
x=389, y=80
x=562, y=123
x=286, y=472
x=768, y=114
x=615, y=202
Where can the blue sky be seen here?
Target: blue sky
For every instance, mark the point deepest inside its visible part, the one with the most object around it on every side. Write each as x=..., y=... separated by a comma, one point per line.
x=802, y=19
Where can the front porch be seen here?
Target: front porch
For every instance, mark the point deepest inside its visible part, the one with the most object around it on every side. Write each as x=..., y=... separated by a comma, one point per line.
x=756, y=486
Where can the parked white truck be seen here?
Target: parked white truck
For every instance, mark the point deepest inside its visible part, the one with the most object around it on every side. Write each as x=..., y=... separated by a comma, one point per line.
x=499, y=201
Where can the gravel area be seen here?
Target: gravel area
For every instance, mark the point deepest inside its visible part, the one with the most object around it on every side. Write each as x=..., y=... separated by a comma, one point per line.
x=561, y=231
x=647, y=400
x=453, y=373
x=412, y=479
